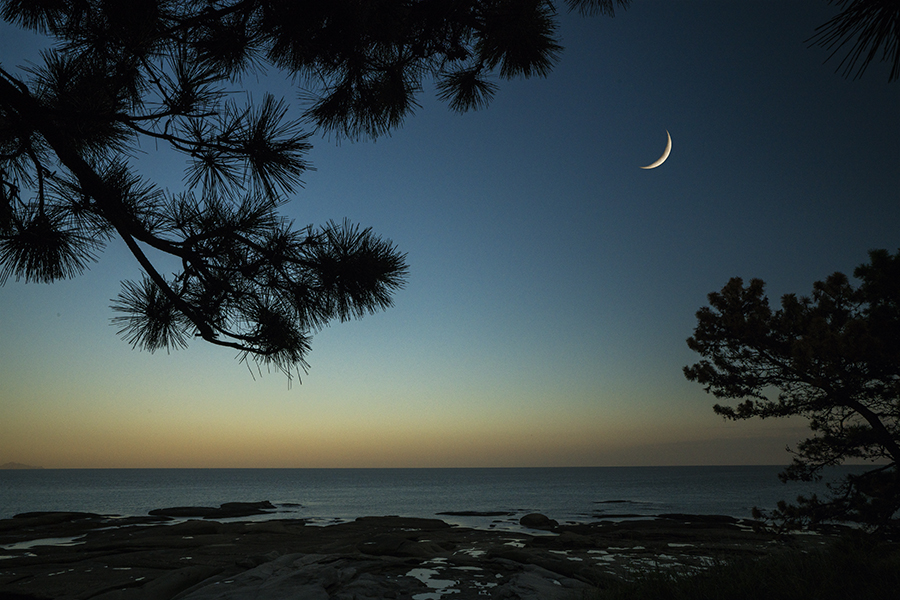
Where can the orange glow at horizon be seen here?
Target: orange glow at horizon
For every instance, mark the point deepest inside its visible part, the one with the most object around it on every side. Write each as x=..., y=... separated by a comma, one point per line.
x=236, y=442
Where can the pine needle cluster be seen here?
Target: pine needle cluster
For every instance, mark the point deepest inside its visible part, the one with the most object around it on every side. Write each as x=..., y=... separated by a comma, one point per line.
x=120, y=77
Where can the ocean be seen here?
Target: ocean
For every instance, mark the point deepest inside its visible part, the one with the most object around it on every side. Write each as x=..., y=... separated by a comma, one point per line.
x=327, y=496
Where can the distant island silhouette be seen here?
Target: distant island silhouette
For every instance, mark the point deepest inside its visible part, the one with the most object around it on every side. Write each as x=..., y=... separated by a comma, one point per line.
x=15, y=465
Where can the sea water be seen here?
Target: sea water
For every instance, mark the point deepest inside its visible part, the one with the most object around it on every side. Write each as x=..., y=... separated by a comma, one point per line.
x=333, y=495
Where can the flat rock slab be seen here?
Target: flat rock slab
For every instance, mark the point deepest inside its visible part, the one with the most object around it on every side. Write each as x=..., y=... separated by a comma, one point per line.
x=372, y=557
x=229, y=510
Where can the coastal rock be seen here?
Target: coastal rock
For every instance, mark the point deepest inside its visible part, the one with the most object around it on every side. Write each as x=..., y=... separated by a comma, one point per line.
x=536, y=582
x=39, y=519
x=292, y=576
x=316, y=577
x=476, y=513
x=228, y=510
x=394, y=522
x=537, y=521
x=63, y=524
x=713, y=520
x=164, y=587
x=370, y=558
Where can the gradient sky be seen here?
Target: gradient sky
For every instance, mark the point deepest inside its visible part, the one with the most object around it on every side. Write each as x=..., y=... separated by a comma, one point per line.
x=553, y=282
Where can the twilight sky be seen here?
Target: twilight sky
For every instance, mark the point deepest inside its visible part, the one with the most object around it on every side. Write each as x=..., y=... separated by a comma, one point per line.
x=553, y=282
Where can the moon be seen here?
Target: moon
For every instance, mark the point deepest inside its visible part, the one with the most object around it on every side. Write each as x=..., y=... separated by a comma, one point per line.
x=664, y=156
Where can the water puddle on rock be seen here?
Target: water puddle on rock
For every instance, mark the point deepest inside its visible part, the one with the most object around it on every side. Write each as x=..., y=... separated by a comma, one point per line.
x=58, y=541
x=440, y=587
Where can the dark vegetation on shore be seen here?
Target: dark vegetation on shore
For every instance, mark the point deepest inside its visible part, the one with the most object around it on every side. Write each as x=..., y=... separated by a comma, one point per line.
x=853, y=566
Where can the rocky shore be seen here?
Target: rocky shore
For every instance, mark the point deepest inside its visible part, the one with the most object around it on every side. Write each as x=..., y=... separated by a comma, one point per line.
x=183, y=553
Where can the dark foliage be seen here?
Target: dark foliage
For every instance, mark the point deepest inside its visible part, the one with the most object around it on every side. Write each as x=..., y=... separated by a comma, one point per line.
x=120, y=77
x=863, y=27
x=853, y=566
x=833, y=358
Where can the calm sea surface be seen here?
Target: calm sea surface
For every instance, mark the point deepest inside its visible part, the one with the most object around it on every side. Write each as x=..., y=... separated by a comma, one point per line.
x=330, y=495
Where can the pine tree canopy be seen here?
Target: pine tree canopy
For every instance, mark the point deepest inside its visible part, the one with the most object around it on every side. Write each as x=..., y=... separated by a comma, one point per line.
x=832, y=358
x=119, y=76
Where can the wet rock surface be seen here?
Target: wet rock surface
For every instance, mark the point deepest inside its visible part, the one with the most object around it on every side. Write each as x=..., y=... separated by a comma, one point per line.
x=373, y=557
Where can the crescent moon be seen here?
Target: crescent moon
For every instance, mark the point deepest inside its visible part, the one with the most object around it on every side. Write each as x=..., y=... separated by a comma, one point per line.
x=664, y=156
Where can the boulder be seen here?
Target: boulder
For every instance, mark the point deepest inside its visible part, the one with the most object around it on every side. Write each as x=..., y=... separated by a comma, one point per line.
x=537, y=521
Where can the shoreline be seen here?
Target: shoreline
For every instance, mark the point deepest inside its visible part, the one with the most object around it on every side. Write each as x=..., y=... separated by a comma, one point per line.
x=161, y=557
